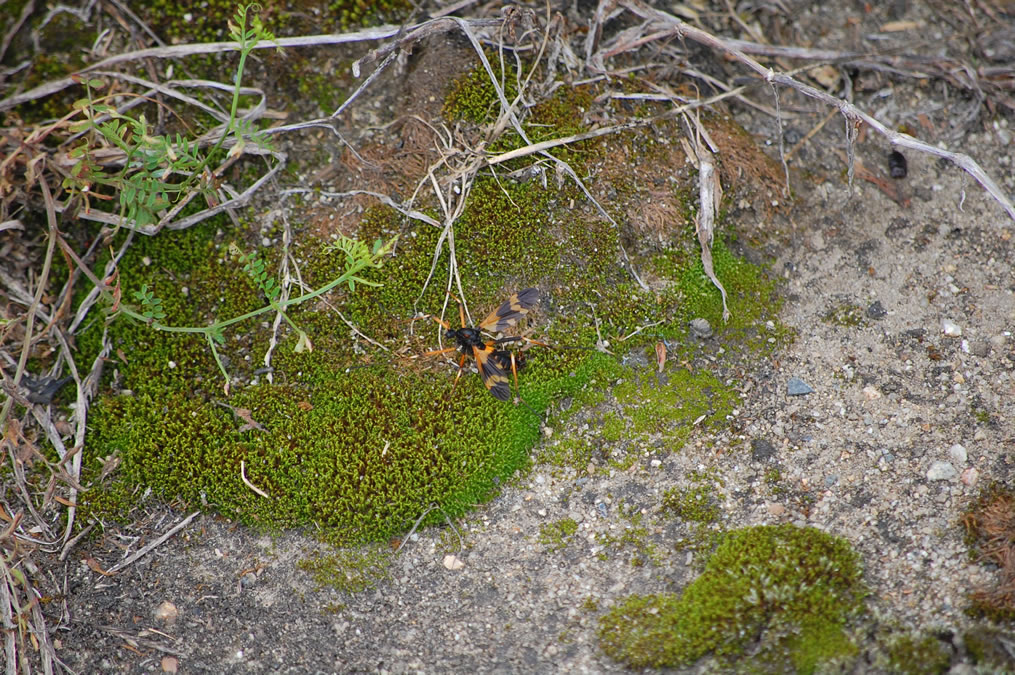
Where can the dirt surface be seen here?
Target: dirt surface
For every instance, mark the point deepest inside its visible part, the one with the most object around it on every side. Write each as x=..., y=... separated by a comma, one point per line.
x=871, y=285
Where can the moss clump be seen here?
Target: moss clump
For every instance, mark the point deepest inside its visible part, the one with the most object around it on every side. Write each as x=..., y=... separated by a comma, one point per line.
x=474, y=98
x=846, y=315
x=635, y=540
x=360, y=440
x=794, y=588
x=990, y=649
x=697, y=505
x=363, y=12
x=672, y=407
x=918, y=655
x=572, y=452
x=612, y=428
x=349, y=571
x=990, y=534
x=554, y=536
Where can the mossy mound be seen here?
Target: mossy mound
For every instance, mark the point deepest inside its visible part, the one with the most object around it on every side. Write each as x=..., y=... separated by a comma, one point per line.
x=358, y=444
x=783, y=592
x=360, y=436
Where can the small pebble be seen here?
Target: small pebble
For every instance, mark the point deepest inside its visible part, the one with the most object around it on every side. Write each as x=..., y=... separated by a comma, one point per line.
x=877, y=310
x=958, y=454
x=453, y=562
x=941, y=471
x=951, y=329
x=166, y=612
x=776, y=509
x=979, y=348
x=797, y=387
x=701, y=328
x=970, y=476
x=897, y=167
x=762, y=449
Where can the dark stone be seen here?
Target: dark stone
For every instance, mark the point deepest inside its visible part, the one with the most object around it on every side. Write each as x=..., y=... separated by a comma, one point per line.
x=762, y=449
x=877, y=310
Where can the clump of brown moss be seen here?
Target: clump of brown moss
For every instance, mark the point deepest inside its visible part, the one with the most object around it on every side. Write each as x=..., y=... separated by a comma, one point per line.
x=990, y=528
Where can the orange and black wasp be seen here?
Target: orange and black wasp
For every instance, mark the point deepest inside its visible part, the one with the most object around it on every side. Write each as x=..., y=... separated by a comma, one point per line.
x=491, y=361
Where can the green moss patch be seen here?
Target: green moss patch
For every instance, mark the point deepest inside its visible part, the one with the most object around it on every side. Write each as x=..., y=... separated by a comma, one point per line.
x=554, y=536
x=782, y=592
x=349, y=571
x=911, y=654
x=360, y=436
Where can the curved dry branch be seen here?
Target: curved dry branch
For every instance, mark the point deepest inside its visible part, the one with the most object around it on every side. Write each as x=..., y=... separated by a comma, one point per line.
x=677, y=28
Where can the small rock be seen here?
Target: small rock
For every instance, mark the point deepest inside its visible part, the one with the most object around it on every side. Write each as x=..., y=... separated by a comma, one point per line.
x=979, y=348
x=453, y=562
x=701, y=328
x=762, y=449
x=776, y=509
x=941, y=471
x=958, y=454
x=797, y=387
x=951, y=329
x=871, y=393
x=876, y=310
x=170, y=664
x=166, y=612
x=970, y=476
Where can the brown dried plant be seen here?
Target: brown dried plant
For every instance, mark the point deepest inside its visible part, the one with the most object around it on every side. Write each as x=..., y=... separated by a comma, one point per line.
x=990, y=528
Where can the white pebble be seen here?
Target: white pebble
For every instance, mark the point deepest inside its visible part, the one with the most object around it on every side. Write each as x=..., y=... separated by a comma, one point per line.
x=941, y=471
x=166, y=612
x=453, y=562
x=958, y=454
x=951, y=329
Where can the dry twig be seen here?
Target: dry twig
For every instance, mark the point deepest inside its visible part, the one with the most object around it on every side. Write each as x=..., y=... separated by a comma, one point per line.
x=667, y=26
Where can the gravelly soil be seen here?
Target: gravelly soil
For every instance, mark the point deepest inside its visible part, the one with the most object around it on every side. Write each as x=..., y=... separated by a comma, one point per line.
x=869, y=285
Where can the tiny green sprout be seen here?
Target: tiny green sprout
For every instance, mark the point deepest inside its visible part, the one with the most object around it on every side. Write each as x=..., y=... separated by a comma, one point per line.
x=152, y=305
x=255, y=269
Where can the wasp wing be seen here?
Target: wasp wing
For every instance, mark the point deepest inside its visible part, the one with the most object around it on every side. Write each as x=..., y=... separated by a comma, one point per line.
x=493, y=375
x=511, y=310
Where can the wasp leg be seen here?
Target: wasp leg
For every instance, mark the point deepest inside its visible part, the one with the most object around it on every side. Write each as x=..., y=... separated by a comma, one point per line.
x=534, y=342
x=514, y=372
x=444, y=324
x=438, y=352
x=461, y=366
x=461, y=311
